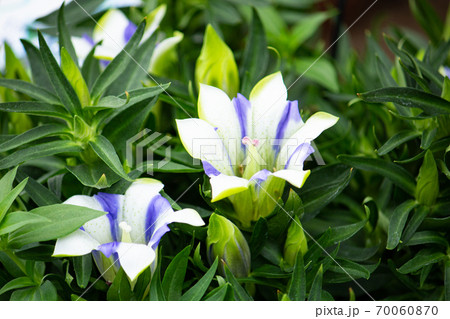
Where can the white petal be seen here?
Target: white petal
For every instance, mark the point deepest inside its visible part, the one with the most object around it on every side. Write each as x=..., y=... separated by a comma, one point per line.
x=164, y=54
x=100, y=227
x=185, y=216
x=223, y=186
x=294, y=177
x=216, y=108
x=135, y=205
x=110, y=28
x=201, y=141
x=153, y=21
x=134, y=258
x=313, y=127
x=76, y=244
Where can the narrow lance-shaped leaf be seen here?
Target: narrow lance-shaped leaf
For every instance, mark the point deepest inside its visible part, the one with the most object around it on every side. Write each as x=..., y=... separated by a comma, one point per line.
x=33, y=91
x=196, y=292
x=297, y=286
x=38, y=151
x=118, y=65
x=397, y=174
x=255, y=56
x=31, y=135
x=105, y=150
x=397, y=223
x=7, y=201
x=397, y=140
x=35, y=108
x=64, y=36
x=73, y=74
x=172, y=283
x=409, y=97
x=427, y=188
x=62, y=86
x=422, y=258
x=40, y=76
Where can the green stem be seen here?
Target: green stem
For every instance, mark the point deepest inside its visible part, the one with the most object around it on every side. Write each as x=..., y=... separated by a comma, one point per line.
x=16, y=260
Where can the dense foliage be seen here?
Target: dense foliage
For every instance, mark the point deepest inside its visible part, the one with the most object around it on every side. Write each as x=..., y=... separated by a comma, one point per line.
x=377, y=212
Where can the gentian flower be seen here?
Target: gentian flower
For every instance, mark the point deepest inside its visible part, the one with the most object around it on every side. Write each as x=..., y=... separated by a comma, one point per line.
x=249, y=148
x=114, y=29
x=128, y=235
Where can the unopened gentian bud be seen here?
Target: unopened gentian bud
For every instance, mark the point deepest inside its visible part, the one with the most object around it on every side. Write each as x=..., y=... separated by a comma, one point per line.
x=226, y=242
x=295, y=242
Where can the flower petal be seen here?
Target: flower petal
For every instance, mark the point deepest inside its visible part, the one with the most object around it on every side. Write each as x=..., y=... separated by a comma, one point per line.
x=100, y=227
x=223, y=186
x=313, y=127
x=268, y=100
x=289, y=123
x=135, y=204
x=111, y=29
x=153, y=20
x=297, y=159
x=112, y=204
x=77, y=243
x=294, y=177
x=215, y=107
x=201, y=141
x=133, y=258
x=164, y=55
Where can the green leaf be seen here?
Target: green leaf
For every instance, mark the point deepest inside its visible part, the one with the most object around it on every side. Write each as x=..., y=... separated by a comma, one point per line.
x=33, y=134
x=98, y=175
x=64, y=219
x=447, y=280
x=38, y=151
x=256, y=57
x=60, y=83
x=6, y=183
x=118, y=65
x=427, y=188
x=315, y=294
x=397, y=140
x=105, y=150
x=397, y=222
x=342, y=233
x=428, y=136
x=409, y=97
x=240, y=294
x=397, y=174
x=91, y=68
x=40, y=194
x=414, y=223
x=172, y=283
x=350, y=269
x=421, y=259
x=320, y=71
x=35, y=108
x=427, y=18
x=324, y=185
x=64, y=38
x=31, y=90
x=75, y=78
x=297, y=286
x=44, y=292
x=427, y=237
x=219, y=293
x=17, y=283
x=120, y=289
x=307, y=27
x=83, y=268
x=156, y=291
x=16, y=220
x=196, y=292
x=259, y=237
x=40, y=76
x=9, y=199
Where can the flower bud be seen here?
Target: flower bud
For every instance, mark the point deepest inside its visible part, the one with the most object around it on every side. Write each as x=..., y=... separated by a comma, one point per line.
x=295, y=242
x=226, y=242
x=216, y=65
x=427, y=188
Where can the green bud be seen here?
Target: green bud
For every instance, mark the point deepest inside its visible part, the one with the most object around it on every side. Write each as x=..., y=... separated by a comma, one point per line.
x=225, y=241
x=295, y=242
x=427, y=188
x=216, y=65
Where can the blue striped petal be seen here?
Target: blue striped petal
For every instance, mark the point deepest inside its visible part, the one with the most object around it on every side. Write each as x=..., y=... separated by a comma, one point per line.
x=157, y=207
x=242, y=107
x=111, y=203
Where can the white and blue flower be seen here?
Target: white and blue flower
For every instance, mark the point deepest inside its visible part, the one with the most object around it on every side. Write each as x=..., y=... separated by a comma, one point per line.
x=128, y=234
x=114, y=30
x=249, y=148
